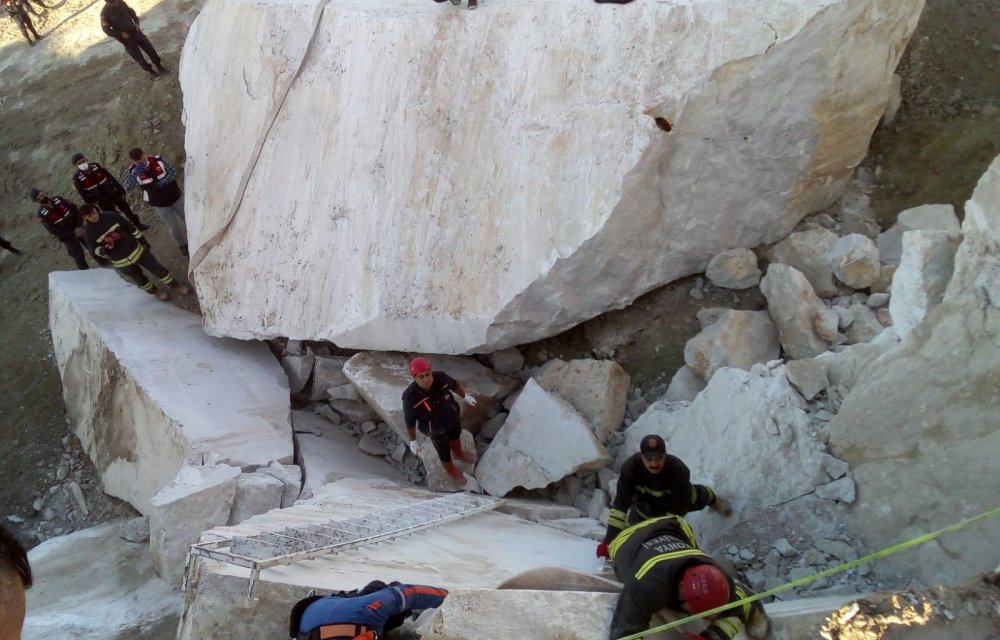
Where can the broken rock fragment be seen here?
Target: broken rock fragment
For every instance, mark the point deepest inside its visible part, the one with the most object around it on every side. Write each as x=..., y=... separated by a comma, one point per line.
x=793, y=306
x=738, y=339
x=543, y=440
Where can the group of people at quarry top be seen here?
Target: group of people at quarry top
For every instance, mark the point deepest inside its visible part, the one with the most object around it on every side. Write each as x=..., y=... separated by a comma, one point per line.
x=107, y=228
x=654, y=551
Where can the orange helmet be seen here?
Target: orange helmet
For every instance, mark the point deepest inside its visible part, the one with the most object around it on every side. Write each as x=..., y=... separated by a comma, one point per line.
x=367, y=635
x=704, y=587
x=419, y=365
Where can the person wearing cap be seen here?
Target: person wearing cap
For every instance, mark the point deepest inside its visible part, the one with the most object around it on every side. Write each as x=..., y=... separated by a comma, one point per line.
x=98, y=187
x=660, y=566
x=110, y=236
x=366, y=614
x=429, y=405
x=121, y=22
x=158, y=180
x=653, y=483
x=61, y=218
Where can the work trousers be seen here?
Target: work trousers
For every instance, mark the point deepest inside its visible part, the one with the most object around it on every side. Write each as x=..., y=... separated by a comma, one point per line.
x=109, y=201
x=24, y=24
x=173, y=217
x=135, y=273
x=74, y=247
x=136, y=43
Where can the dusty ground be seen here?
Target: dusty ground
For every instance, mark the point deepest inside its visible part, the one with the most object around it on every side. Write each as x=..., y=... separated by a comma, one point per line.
x=78, y=90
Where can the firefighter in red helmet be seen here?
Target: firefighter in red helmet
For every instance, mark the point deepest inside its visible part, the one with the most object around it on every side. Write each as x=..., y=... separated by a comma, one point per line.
x=661, y=567
x=429, y=405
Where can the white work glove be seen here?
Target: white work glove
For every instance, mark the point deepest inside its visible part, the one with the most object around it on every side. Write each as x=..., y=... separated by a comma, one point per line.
x=469, y=400
x=414, y=447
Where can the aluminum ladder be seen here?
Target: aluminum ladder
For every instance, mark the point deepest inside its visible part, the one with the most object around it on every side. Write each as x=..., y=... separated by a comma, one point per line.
x=293, y=544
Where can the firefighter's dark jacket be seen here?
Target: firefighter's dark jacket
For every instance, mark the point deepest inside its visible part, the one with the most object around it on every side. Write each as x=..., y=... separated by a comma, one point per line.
x=655, y=494
x=433, y=411
x=650, y=559
x=126, y=251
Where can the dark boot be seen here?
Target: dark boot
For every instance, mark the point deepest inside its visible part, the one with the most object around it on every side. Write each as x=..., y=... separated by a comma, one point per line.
x=473, y=4
x=455, y=473
x=161, y=68
x=184, y=251
x=180, y=287
x=456, y=452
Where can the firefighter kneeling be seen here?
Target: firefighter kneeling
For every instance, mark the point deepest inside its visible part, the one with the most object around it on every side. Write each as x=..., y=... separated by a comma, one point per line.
x=661, y=567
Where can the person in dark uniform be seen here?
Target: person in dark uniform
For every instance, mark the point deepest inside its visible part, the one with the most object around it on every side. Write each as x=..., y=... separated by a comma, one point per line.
x=429, y=405
x=660, y=566
x=16, y=10
x=120, y=21
x=366, y=615
x=110, y=236
x=5, y=244
x=62, y=219
x=98, y=187
x=654, y=484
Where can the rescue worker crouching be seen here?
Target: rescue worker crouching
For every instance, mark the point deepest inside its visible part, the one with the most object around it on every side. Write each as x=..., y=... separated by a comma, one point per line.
x=653, y=484
x=661, y=567
x=110, y=236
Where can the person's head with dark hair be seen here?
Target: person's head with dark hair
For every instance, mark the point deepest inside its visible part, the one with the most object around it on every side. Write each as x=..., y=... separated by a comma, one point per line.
x=15, y=577
x=136, y=154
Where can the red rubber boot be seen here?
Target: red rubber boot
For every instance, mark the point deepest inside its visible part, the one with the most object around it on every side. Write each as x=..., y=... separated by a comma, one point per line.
x=454, y=472
x=456, y=452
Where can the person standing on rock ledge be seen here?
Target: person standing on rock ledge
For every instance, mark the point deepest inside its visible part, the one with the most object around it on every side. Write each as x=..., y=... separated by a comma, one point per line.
x=654, y=484
x=15, y=579
x=158, y=180
x=111, y=236
x=429, y=404
x=120, y=21
x=62, y=219
x=16, y=10
x=98, y=187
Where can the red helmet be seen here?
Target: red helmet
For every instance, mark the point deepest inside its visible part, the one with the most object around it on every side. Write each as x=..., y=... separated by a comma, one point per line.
x=704, y=587
x=419, y=365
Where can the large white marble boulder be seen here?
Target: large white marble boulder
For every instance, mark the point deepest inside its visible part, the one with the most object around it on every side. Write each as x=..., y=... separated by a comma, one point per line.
x=94, y=584
x=598, y=389
x=739, y=420
x=381, y=379
x=394, y=176
x=543, y=440
x=146, y=389
x=738, y=339
x=198, y=499
x=923, y=274
x=931, y=461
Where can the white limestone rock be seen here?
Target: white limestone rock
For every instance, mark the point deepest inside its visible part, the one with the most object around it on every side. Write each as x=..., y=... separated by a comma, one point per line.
x=507, y=361
x=865, y=326
x=807, y=376
x=933, y=399
x=327, y=372
x=793, y=306
x=543, y=440
x=538, y=510
x=734, y=269
x=940, y=217
x=462, y=257
x=826, y=323
x=759, y=416
x=709, y=315
x=372, y=446
x=855, y=261
x=93, y=584
x=255, y=493
x=684, y=386
x=298, y=369
x=588, y=527
x=807, y=251
x=198, y=499
x=738, y=339
x=146, y=389
x=343, y=392
x=381, y=378
x=924, y=271
x=290, y=476
x=598, y=389
x=329, y=453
